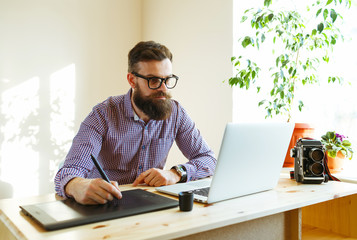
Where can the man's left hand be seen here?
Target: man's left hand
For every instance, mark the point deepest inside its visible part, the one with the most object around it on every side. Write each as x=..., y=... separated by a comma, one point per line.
x=157, y=177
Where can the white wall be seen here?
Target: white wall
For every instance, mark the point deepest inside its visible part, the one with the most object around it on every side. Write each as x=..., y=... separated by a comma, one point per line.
x=59, y=58
x=200, y=35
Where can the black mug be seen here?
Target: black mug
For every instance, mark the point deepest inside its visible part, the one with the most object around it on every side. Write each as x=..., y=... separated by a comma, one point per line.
x=186, y=201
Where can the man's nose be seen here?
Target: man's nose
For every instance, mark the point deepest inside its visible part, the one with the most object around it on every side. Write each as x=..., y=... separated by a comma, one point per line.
x=163, y=87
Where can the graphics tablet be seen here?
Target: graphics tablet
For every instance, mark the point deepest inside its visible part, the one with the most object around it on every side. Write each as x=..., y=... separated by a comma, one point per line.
x=68, y=213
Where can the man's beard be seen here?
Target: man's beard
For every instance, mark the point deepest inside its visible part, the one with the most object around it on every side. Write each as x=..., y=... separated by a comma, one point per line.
x=156, y=109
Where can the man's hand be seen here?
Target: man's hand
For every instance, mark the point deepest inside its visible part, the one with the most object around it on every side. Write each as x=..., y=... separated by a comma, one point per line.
x=92, y=191
x=157, y=177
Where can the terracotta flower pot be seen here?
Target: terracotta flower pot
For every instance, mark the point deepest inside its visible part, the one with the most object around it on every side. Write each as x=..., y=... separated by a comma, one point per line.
x=301, y=130
x=335, y=165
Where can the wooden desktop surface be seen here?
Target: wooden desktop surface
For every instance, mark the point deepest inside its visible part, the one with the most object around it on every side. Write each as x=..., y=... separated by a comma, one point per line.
x=288, y=196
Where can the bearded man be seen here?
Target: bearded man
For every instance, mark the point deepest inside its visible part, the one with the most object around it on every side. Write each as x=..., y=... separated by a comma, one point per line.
x=131, y=135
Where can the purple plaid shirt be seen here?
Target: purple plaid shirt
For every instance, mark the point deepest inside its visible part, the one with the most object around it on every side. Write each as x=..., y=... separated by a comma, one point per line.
x=125, y=146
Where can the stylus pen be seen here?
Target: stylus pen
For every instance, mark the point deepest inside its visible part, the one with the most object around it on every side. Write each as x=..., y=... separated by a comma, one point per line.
x=100, y=169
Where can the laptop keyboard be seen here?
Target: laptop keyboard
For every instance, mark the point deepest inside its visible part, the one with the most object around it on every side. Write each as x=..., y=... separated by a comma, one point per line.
x=201, y=191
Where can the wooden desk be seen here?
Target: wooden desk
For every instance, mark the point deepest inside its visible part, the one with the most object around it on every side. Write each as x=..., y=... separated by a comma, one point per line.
x=275, y=214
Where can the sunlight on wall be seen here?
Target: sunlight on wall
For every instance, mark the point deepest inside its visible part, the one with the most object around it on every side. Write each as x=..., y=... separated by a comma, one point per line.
x=30, y=152
x=20, y=129
x=62, y=116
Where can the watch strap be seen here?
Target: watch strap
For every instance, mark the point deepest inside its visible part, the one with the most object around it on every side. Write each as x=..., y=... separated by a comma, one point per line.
x=181, y=170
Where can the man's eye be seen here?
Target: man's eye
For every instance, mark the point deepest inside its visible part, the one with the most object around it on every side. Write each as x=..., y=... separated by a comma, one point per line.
x=155, y=80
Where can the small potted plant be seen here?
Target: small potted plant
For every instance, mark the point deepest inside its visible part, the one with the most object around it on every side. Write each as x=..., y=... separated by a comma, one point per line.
x=338, y=147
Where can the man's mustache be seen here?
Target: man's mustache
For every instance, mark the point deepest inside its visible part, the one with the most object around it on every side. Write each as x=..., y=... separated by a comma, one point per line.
x=161, y=94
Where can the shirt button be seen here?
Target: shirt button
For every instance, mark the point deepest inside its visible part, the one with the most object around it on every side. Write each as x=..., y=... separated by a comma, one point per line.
x=140, y=167
x=143, y=147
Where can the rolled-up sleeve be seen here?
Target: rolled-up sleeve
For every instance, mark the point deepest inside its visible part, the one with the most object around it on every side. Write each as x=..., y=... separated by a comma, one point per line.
x=87, y=141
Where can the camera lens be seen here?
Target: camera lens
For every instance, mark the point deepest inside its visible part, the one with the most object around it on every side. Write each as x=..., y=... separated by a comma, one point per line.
x=316, y=168
x=316, y=154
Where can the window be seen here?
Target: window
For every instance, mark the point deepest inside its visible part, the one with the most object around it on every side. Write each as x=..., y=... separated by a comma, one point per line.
x=329, y=107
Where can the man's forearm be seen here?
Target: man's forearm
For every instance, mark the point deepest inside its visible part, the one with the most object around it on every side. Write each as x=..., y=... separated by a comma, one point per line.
x=68, y=188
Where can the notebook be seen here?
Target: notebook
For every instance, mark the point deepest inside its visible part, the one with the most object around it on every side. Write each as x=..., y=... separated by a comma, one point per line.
x=68, y=213
x=250, y=160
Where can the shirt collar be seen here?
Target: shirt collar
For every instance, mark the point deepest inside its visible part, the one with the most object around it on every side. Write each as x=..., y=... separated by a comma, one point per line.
x=136, y=117
x=128, y=107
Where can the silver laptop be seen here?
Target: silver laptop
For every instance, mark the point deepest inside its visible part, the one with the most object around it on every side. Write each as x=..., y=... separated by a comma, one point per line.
x=249, y=161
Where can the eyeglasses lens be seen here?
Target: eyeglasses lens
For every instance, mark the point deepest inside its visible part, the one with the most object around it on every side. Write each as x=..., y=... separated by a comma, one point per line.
x=171, y=82
x=156, y=82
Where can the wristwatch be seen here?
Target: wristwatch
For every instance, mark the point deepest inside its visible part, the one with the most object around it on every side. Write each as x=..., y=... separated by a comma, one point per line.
x=181, y=170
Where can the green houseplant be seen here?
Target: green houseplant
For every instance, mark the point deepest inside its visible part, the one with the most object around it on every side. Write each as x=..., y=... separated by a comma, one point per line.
x=337, y=149
x=300, y=44
x=300, y=41
x=335, y=143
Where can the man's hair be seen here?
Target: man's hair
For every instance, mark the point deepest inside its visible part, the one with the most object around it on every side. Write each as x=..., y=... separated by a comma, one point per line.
x=147, y=51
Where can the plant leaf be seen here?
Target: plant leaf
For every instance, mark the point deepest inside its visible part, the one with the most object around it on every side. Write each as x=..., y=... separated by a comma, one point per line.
x=282, y=95
x=325, y=13
x=301, y=105
x=318, y=12
x=333, y=40
x=333, y=15
x=294, y=73
x=272, y=92
x=243, y=19
x=290, y=70
x=267, y=3
x=246, y=41
x=263, y=38
x=320, y=27
x=233, y=81
x=331, y=135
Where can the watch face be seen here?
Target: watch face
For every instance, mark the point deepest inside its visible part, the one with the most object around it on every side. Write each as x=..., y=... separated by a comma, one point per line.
x=179, y=171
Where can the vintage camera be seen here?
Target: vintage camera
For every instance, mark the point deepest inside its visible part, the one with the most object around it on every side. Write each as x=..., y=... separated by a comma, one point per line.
x=309, y=166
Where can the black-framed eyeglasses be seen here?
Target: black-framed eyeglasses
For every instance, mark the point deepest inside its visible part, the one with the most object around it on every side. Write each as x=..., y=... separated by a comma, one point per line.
x=156, y=82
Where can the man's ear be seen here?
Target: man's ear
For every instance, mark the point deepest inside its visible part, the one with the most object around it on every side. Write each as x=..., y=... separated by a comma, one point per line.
x=131, y=80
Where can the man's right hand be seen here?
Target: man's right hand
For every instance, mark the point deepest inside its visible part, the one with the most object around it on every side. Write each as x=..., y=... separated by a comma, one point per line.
x=92, y=191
